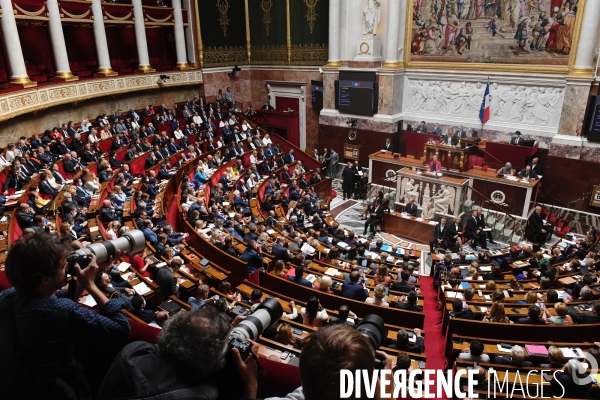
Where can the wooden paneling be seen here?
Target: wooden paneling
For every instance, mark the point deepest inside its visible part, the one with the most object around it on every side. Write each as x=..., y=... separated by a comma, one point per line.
x=334, y=137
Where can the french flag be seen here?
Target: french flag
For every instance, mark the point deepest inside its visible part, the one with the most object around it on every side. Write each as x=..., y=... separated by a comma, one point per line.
x=484, y=113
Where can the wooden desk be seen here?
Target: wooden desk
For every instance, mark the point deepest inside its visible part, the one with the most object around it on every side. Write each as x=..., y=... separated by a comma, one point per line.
x=409, y=227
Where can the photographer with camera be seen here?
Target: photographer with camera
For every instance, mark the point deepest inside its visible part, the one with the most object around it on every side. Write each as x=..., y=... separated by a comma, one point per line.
x=327, y=351
x=192, y=351
x=39, y=323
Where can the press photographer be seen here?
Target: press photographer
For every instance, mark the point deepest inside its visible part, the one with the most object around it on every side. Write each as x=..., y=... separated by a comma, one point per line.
x=192, y=351
x=39, y=322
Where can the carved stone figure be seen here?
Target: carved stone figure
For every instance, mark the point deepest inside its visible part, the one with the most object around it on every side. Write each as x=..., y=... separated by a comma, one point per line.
x=372, y=14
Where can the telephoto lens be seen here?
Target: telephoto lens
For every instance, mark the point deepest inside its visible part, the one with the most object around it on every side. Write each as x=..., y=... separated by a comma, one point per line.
x=373, y=328
x=131, y=242
x=267, y=313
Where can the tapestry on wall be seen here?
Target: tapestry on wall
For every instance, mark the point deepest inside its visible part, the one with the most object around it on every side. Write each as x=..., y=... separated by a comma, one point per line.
x=494, y=31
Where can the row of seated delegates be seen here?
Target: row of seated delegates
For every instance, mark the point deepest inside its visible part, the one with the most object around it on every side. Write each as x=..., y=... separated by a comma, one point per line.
x=460, y=132
x=561, y=385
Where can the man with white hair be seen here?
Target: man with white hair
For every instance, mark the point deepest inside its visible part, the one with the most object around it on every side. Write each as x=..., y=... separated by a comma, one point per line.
x=517, y=358
x=238, y=201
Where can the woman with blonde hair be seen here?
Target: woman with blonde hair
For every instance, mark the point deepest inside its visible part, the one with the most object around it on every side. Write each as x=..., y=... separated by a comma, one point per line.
x=324, y=284
x=490, y=285
x=91, y=183
x=379, y=294
x=112, y=230
x=254, y=157
x=85, y=125
x=251, y=182
x=562, y=317
x=497, y=314
x=285, y=335
x=473, y=275
x=382, y=277
x=124, y=229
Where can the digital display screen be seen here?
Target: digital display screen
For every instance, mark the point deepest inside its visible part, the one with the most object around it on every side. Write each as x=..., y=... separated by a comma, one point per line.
x=356, y=97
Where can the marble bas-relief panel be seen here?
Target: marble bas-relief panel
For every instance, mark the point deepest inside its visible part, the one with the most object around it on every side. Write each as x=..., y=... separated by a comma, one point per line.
x=536, y=106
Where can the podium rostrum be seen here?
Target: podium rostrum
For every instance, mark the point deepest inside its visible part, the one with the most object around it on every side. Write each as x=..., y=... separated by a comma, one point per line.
x=450, y=157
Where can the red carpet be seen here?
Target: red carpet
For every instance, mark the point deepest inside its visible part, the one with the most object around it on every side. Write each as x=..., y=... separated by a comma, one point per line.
x=434, y=340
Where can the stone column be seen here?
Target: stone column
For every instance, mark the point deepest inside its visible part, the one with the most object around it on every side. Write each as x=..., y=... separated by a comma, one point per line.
x=588, y=41
x=190, y=33
x=393, y=27
x=59, y=48
x=179, y=36
x=334, y=34
x=401, y=29
x=140, y=38
x=12, y=44
x=104, y=67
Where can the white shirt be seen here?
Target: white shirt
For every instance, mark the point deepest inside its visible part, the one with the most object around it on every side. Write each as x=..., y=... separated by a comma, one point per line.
x=266, y=141
x=178, y=134
x=253, y=159
x=321, y=316
x=197, y=120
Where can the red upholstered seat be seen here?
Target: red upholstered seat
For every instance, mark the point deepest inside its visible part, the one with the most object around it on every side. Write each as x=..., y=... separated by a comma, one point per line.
x=560, y=224
x=552, y=219
x=333, y=194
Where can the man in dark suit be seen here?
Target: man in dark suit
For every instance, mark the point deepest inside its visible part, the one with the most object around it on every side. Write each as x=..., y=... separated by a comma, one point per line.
x=459, y=312
x=587, y=318
x=253, y=256
x=167, y=281
x=411, y=302
x=348, y=182
x=71, y=165
x=558, y=256
x=411, y=208
x=536, y=166
x=461, y=133
x=474, y=232
x=533, y=317
x=421, y=128
x=353, y=289
x=388, y=146
x=482, y=225
x=517, y=140
x=108, y=212
x=527, y=173
x=375, y=216
x=279, y=251
x=25, y=216
x=440, y=234
x=537, y=233
x=45, y=186
x=403, y=285
x=402, y=342
x=289, y=157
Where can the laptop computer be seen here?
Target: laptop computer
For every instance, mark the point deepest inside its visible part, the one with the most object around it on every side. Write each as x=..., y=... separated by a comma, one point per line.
x=170, y=306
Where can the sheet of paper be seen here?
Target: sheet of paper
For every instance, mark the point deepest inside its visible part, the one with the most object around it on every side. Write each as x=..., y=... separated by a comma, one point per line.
x=123, y=266
x=141, y=288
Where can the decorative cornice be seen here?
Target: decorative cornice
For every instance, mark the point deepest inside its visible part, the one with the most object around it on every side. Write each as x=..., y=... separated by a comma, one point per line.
x=13, y=104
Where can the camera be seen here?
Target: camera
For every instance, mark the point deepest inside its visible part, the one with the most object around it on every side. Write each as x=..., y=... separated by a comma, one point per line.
x=373, y=328
x=267, y=313
x=131, y=242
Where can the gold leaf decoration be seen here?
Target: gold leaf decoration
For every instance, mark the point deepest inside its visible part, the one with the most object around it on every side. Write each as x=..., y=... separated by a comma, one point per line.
x=311, y=15
x=223, y=6
x=224, y=55
x=266, y=6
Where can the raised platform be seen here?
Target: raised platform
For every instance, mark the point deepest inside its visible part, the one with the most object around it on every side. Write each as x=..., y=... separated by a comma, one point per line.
x=516, y=197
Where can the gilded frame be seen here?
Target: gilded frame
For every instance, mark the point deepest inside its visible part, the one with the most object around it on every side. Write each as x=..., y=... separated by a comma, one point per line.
x=540, y=68
x=595, y=196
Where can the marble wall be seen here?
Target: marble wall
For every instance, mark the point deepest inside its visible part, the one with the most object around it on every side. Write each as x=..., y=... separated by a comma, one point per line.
x=573, y=110
x=28, y=124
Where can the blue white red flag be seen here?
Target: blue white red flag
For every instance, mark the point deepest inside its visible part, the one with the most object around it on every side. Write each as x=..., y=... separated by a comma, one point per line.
x=484, y=113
